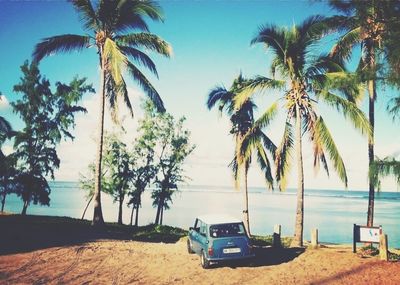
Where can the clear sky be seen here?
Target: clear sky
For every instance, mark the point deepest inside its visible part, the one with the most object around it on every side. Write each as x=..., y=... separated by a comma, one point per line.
x=211, y=44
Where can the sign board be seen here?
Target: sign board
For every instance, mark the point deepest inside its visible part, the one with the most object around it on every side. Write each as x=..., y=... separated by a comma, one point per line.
x=365, y=234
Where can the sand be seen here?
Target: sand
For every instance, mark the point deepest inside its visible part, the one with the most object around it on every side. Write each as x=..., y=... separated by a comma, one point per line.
x=132, y=262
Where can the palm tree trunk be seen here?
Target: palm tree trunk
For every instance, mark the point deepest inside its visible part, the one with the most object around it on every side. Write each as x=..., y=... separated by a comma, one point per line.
x=98, y=214
x=246, y=204
x=298, y=235
x=371, y=156
x=87, y=206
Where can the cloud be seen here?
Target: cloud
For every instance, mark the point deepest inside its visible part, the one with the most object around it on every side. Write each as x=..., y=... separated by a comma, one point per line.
x=76, y=155
x=4, y=102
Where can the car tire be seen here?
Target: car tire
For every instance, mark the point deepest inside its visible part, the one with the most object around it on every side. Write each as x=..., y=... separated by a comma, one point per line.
x=189, y=247
x=203, y=260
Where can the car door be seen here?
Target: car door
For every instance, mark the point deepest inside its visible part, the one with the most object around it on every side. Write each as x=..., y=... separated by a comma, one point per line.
x=202, y=237
x=194, y=236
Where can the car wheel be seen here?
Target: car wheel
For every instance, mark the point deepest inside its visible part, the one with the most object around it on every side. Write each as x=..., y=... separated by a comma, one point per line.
x=189, y=247
x=204, y=262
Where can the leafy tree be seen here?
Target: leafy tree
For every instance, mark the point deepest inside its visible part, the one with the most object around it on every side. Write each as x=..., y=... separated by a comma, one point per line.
x=248, y=135
x=143, y=163
x=7, y=163
x=373, y=26
x=172, y=148
x=306, y=81
x=48, y=118
x=107, y=22
x=118, y=171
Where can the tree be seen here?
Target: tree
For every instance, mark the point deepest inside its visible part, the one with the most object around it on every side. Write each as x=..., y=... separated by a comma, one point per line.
x=172, y=148
x=367, y=24
x=143, y=160
x=107, y=21
x=117, y=164
x=306, y=81
x=48, y=118
x=7, y=163
x=248, y=135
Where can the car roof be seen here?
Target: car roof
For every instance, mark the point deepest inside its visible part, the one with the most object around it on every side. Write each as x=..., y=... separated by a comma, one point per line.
x=218, y=219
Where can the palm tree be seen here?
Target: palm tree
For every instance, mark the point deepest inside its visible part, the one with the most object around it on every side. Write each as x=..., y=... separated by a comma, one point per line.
x=306, y=81
x=365, y=24
x=107, y=23
x=248, y=137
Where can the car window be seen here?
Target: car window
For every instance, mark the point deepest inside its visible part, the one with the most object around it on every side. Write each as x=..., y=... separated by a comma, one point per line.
x=227, y=230
x=203, y=228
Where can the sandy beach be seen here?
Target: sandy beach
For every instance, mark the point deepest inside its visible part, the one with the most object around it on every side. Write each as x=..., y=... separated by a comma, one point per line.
x=132, y=262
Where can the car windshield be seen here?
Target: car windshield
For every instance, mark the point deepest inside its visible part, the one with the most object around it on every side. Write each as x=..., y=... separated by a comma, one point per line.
x=227, y=230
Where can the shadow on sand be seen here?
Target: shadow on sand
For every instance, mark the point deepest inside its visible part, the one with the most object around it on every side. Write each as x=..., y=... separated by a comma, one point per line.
x=265, y=256
x=29, y=233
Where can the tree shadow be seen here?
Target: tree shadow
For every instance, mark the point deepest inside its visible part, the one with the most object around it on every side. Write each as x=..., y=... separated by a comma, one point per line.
x=28, y=233
x=265, y=256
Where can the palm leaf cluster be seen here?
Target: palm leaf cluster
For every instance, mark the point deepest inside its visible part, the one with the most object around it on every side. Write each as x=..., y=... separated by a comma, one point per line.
x=108, y=24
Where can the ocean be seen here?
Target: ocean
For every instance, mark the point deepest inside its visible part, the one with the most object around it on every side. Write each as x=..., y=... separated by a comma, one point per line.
x=332, y=212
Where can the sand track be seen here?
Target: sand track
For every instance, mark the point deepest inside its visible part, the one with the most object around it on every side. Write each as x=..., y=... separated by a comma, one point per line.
x=130, y=262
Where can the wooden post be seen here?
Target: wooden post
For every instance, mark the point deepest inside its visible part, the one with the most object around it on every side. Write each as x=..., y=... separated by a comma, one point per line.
x=354, y=238
x=314, y=238
x=383, y=247
x=276, y=237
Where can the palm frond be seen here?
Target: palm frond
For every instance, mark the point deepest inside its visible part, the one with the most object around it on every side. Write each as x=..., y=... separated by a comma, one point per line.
x=383, y=168
x=62, y=43
x=145, y=40
x=219, y=95
x=146, y=86
x=394, y=107
x=130, y=14
x=348, y=109
x=267, y=116
x=343, y=48
x=272, y=37
x=141, y=58
x=115, y=60
x=283, y=156
x=347, y=84
x=323, y=136
x=265, y=166
x=87, y=14
x=258, y=84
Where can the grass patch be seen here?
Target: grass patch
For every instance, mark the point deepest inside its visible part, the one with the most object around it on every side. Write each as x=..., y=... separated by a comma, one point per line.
x=267, y=241
x=26, y=233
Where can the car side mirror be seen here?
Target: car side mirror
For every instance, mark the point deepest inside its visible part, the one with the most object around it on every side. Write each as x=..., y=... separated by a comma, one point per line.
x=191, y=228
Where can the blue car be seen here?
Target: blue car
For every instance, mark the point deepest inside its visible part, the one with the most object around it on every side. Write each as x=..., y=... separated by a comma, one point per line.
x=218, y=238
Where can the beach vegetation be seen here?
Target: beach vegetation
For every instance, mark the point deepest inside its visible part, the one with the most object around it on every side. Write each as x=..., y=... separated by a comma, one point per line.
x=372, y=27
x=172, y=148
x=48, y=117
x=118, y=31
x=248, y=135
x=303, y=81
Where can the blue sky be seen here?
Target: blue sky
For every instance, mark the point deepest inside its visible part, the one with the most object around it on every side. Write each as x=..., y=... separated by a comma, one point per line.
x=211, y=45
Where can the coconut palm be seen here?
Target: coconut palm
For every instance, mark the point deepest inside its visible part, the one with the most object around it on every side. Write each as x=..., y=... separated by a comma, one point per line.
x=306, y=82
x=248, y=135
x=366, y=24
x=108, y=23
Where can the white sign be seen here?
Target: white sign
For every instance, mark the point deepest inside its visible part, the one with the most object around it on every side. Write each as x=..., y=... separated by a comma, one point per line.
x=369, y=234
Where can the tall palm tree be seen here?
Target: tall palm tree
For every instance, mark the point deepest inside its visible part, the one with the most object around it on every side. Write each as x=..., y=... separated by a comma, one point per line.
x=108, y=23
x=365, y=24
x=306, y=81
x=248, y=134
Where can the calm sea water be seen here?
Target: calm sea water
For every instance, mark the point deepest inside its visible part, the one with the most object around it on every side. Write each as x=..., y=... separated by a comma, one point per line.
x=332, y=212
